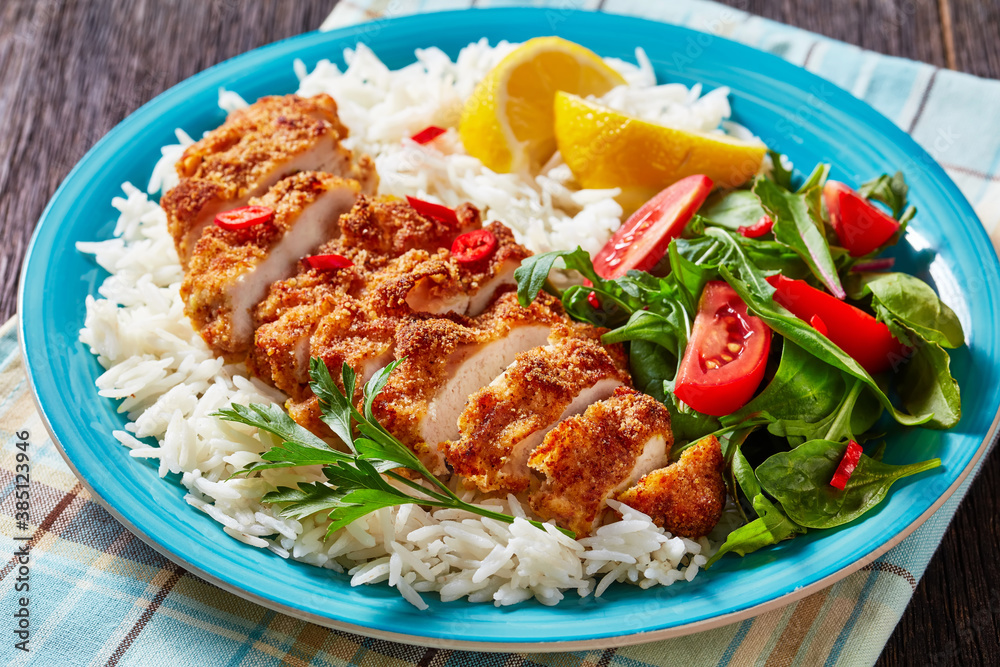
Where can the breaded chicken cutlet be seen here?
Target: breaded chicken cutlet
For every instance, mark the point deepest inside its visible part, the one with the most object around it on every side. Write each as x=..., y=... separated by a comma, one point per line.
x=254, y=149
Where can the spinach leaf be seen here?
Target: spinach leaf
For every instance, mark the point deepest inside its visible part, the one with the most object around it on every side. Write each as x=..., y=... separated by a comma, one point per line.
x=798, y=224
x=745, y=475
x=816, y=344
x=771, y=527
x=926, y=385
x=736, y=209
x=534, y=271
x=651, y=366
x=688, y=425
x=911, y=301
x=800, y=480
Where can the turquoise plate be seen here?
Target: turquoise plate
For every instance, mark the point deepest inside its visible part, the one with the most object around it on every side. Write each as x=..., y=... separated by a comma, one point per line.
x=773, y=98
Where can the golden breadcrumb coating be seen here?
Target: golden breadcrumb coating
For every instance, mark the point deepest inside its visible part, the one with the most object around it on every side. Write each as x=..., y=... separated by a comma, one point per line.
x=255, y=147
x=224, y=260
x=687, y=496
x=530, y=396
x=586, y=459
x=431, y=349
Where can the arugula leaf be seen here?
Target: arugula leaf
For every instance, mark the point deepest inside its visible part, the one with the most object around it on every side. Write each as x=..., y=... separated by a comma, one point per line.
x=771, y=526
x=779, y=174
x=910, y=301
x=534, y=271
x=815, y=343
x=890, y=190
x=800, y=481
x=926, y=385
x=798, y=224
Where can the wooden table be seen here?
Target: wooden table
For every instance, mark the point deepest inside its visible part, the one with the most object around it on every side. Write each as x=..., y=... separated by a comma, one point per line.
x=71, y=70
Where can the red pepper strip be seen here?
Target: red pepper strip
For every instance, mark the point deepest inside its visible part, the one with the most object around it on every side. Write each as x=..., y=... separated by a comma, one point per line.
x=594, y=301
x=473, y=246
x=851, y=329
x=847, y=466
x=243, y=217
x=758, y=229
x=428, y=134
x=328, y=262
x=435, y=211
x=818, y=325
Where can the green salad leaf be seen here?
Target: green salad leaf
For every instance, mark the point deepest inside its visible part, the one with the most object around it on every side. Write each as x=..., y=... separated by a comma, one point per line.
x=770, y=527
x=927, y=386
x=800, y=480
x=902, y=299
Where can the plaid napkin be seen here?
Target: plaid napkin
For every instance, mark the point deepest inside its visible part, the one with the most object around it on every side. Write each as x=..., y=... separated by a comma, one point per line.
x=98, y=595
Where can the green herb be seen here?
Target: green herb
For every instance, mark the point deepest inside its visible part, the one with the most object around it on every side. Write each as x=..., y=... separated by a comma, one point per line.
x=800, y=481
x=357, y=483
x=798, y=224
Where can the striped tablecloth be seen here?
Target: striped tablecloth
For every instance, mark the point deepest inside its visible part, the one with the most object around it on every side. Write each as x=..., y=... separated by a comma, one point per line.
x=98, y=595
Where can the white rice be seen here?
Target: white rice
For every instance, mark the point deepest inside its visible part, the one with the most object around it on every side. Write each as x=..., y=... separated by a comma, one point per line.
x=169, y=382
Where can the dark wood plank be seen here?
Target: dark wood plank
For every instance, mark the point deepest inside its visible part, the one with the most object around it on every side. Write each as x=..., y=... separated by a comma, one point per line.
x=72, y=69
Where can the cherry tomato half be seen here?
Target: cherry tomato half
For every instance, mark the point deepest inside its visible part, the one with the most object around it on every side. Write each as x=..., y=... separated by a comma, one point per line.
x=244, y=217
x=473, y=246
x=854, y=331
x=725, y=358
x=644, y=238
x=328, y=262
x=860, y=225
x=434, y=211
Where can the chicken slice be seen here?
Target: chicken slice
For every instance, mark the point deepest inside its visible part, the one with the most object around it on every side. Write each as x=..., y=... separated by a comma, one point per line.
x=232, y=270
x=255, y=148
x=505, y=421
x=591, y=457
x=446, y=360
x=687, y=496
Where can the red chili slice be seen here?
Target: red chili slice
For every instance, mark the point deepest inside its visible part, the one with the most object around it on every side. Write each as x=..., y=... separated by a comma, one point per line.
x=644, y=238
x=473, y=246
x=328, y=262
x=428, y=134
x=860, y=225
x=435, y=211
x=244, y=217
x=757, y=229
x=725, y=359
x=847, y=465
x=851, y=329
x=594, y=302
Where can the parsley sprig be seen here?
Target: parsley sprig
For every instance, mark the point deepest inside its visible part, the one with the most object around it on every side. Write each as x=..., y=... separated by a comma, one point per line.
x=357, y=483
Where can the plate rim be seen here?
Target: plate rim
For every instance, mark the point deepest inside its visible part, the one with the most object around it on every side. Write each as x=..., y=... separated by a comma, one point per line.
x=631, y=638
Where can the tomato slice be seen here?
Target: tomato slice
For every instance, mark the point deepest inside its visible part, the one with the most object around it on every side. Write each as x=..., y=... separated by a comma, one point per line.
x=328, y=262
x=860, y=225
x=851, y=329
x=434, y=211
x=725, y=358
x=644, y=238
x=244, y=217
x=473, y=246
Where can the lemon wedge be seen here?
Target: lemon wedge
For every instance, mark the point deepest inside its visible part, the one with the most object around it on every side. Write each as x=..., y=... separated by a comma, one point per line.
x=508, y=121
x=608, y=149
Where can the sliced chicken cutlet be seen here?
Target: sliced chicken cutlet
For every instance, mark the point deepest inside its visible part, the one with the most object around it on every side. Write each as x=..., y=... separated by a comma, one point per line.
x=232, y=270
x=446, y=360
x=377, y=287
x=505, y=421
x=687, y=496
x=255, y=148
x=591, y=457
x=440, y=284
